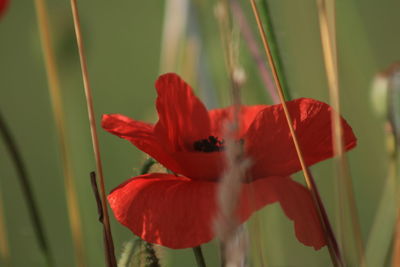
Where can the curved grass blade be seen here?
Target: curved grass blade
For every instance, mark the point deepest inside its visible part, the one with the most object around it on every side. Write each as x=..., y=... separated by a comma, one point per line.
x=273, y=43
x=26, y=187
x=93, y=130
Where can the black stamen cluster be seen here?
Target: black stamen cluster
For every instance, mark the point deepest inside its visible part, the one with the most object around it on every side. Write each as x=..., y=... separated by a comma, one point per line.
x=211, y=144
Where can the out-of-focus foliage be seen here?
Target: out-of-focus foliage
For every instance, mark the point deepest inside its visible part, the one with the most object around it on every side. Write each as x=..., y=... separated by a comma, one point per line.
x=123, y=41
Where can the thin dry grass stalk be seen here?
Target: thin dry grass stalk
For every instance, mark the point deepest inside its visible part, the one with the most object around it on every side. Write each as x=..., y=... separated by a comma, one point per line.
x=56, y=100
x=250, y=40
x=327, y=22
x=92, y=122
x=331, y=241
x=254, y=50
x=4, y=247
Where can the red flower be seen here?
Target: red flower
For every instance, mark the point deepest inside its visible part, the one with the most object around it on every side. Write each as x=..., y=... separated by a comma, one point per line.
x=177, y=210
x=3, y=6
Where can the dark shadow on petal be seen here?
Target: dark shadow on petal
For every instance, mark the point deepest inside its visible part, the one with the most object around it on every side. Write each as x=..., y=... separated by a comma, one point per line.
x=183, y=119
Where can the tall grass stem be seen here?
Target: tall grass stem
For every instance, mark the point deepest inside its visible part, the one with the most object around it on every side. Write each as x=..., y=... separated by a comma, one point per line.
x=331, y=240
x=254, y=49
x=56, y=101
x=327, y=22
x=92, y=122
x=274, y=48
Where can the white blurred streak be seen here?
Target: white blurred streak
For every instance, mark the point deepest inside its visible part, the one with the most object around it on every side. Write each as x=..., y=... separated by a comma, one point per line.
x=175, y=23
x=227, y=226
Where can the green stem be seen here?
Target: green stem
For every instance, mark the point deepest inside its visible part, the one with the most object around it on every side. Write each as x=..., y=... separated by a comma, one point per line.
x=274, y=48
x=198, y=253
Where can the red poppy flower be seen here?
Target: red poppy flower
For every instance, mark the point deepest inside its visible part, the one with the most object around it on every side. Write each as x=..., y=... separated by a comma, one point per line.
x=177, y=211
x=3, y=6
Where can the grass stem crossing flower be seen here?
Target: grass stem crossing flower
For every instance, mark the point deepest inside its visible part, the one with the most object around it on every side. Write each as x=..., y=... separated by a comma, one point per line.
x=177, y=210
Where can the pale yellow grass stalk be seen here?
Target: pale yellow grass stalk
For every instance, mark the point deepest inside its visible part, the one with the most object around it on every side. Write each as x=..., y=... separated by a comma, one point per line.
x=174, y=28
x=191, y=60
x=57, y=105
x=327, y=22
x=179, y=50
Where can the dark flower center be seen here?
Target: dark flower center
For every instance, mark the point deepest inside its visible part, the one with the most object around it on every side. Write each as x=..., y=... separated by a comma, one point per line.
x=211, y=144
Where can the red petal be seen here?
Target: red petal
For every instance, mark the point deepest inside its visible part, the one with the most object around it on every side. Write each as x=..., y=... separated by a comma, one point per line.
x=269, y=143
x=3, y=6
x=141, y=135
x=201, y=166
x=295, y=200
x=183, y=119
x=219, y=117
x=167, y=210
x=177, y=212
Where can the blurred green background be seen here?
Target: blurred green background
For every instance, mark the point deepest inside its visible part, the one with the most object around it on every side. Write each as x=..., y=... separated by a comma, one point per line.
x=123, y=40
